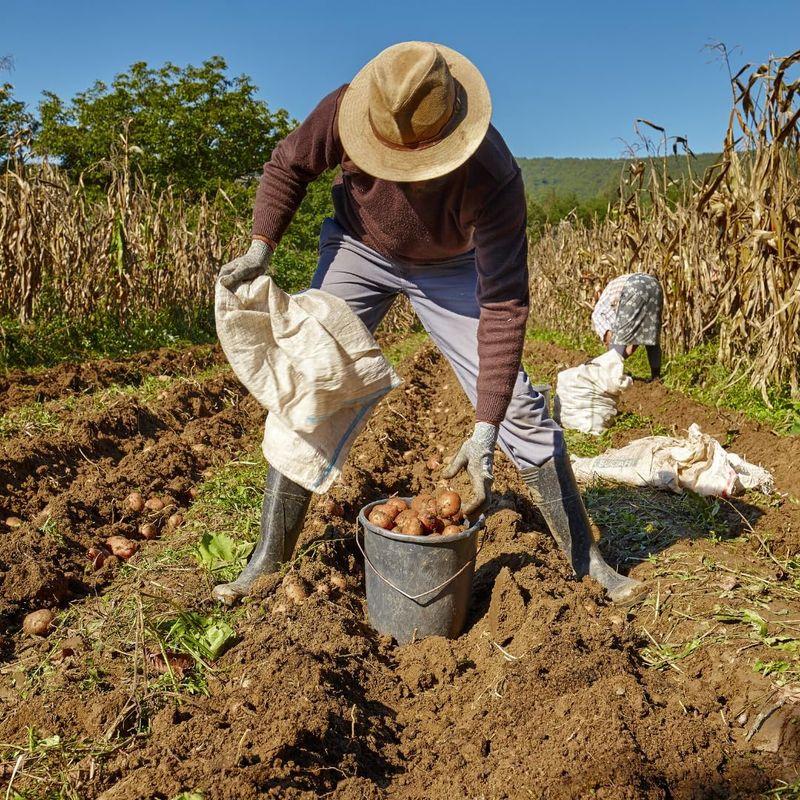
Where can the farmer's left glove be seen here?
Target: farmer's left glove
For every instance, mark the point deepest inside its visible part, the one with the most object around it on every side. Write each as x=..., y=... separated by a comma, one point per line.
x=247, y=267
x=477, y=455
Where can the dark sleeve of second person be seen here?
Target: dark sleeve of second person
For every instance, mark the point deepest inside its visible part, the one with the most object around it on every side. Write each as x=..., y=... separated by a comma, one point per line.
x=501, y=250
x=298, y=159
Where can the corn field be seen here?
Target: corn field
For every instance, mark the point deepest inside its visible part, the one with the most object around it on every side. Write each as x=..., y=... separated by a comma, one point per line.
x=727, y=253
x=66, y=251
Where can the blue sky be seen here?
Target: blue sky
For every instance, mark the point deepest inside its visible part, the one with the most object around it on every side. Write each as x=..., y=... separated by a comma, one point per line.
x=567, y=78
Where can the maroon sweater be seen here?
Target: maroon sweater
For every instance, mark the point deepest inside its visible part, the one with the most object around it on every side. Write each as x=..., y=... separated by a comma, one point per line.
x=479, y=206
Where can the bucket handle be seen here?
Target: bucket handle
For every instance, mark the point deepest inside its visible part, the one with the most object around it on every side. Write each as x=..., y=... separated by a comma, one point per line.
x=428, y=591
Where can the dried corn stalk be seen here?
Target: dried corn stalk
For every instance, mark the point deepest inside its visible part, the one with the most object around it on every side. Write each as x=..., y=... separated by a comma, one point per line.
x=727, y=253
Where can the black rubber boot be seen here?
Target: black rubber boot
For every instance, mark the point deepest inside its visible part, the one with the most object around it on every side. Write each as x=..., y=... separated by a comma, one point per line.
x=282, y=515
x=555, y=492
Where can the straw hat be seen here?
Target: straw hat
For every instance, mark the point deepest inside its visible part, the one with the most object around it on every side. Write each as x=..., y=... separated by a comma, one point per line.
x=417, y=111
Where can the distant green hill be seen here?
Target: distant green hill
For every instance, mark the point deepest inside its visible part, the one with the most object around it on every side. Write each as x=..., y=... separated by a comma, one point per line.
x=591, y=177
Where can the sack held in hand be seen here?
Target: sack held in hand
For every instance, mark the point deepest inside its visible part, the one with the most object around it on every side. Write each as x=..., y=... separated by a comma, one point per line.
x=311, y=362
x=304, y=357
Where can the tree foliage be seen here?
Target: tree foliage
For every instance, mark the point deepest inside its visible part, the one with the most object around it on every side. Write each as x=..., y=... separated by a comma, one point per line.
x=191, y=126
x=16, y=122
x=588, y=178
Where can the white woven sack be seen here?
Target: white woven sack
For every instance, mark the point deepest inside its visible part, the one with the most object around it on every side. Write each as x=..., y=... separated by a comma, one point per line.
x=313, y=364
x=304, y=357
x=698, y=463
x=587, y=395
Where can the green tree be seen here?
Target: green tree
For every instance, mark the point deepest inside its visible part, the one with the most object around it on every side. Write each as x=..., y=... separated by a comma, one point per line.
x=295, y=260
x=16, y=122
x=194, y=127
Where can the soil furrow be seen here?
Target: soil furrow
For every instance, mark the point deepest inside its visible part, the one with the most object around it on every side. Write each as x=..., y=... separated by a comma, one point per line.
x=66, y=490
x=18, y=387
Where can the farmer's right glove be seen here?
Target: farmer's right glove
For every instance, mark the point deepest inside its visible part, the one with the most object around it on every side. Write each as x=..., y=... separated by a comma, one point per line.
x=477, y=455
x=247, y=267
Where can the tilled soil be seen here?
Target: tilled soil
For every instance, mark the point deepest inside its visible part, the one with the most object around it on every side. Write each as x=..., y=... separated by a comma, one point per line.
x=65, y=490
x=544, y=695
x=21, y=386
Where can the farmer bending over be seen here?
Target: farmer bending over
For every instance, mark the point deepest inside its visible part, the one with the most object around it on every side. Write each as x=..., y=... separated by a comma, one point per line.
x=430, y=204
x=628, y=314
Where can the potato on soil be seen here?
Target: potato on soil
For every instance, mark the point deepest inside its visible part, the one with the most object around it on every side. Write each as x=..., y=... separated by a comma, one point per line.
x=332, y=508
x=294, y=589
x=154, y=504
x=121, y=546
x=134, y=502
x=13, y=522
x=97, y=556
x=433, y=464
x=148, y=531
x=175, y=521
x=177, y=663
x=448, y=504
x=38, y=623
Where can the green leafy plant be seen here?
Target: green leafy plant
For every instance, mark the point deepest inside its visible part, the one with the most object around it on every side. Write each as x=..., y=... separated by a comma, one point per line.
x=221, y=555
x=204, y=638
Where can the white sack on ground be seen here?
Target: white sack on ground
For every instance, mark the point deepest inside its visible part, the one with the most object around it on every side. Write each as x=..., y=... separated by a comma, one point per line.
x=698, y=463
x=313, y=364
x=304, y=357
x=586, y=396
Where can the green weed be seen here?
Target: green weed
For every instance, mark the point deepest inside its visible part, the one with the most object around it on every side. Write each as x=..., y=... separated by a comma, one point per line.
x=205, y=638
x=639, y=522
x=699, y=374
x=785, y=791
x=405, y=347
x=76, y=339
x=661, y=655
x=222, y=556
x=32, y=419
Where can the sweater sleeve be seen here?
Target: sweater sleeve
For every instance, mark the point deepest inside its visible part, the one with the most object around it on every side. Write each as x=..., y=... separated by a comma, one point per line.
x=298, y=159
x=501, y=249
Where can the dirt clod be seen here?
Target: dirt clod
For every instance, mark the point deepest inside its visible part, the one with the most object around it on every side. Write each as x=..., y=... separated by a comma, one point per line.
x=295, y=589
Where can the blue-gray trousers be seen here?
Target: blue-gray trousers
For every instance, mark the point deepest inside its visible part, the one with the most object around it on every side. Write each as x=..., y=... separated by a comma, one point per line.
x=444, y=298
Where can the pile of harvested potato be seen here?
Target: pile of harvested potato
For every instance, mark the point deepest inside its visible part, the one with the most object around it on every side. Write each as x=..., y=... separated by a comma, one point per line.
x=158, y=514
x=425, y=516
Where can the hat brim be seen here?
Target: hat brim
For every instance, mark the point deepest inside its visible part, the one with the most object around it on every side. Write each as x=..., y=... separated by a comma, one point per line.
x=380, y=160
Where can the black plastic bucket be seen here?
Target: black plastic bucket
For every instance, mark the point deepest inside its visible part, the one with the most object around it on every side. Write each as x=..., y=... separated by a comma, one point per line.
x=417, y=586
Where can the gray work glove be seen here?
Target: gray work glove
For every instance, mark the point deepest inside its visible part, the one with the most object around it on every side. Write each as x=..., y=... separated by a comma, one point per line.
x=247, y=267
x=477, y=455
